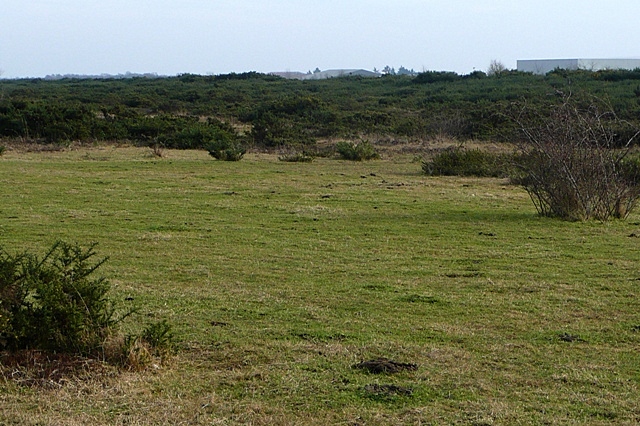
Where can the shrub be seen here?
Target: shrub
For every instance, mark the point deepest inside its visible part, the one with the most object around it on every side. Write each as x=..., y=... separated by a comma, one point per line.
x=155, y=342
x=226, y=150
x=159, y=337
x=186, y=133
x=3, y=149
x=295, y=157
x=357, y=152
x=157, y=150
x=53, y=303
x=436, y=77
x=573, y=166
x=630, y=169
x=457, y=161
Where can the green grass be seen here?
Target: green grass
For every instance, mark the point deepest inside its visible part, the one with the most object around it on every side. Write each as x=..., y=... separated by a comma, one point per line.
x=278, y=277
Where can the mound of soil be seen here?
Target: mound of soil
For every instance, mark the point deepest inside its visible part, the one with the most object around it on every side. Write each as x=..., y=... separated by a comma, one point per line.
x=383, y=365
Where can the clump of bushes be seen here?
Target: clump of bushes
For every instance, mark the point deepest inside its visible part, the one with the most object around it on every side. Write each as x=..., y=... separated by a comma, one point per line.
x=226, y=149
x=187, y=133
x=56, y=304
x=457, y=161
x=361, y=151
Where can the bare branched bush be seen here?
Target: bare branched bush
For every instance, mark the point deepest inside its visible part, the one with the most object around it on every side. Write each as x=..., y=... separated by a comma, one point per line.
x=573, y=165
x=449, y=125
x=496, y=67
x=157, y=150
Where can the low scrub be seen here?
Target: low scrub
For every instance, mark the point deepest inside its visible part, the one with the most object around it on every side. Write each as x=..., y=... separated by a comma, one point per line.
x=138, y=351
x=226, y=150
x=458, y=161
x=361, y=151
x=295, y=157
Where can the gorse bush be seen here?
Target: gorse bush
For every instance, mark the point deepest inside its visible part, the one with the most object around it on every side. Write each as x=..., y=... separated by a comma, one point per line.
x=187, y=133
x=457, y=161
x=357, y=152
x=630, y=169
x=53, y=303
x=226, y=149
x=159, y=337
x=274, y=112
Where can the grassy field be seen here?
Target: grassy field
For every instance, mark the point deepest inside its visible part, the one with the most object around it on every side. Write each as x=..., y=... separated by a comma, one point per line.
x=278, y=277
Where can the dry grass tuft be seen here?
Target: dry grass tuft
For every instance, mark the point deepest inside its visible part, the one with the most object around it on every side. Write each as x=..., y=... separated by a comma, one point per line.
x=39, y=369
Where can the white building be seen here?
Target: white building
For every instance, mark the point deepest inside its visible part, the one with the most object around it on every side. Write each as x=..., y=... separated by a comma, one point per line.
x=320, y=75
x=543, y=66
x=341, y=73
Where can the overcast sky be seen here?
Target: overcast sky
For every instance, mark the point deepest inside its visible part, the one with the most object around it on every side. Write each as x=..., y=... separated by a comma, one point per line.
x=169, y=37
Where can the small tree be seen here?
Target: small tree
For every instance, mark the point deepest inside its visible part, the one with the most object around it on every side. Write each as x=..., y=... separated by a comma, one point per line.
x=496, y=67
x=573, y=166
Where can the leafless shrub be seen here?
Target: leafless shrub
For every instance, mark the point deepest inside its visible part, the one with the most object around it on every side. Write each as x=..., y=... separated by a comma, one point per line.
x=572, y=165
x=448, y=126
x=496, y=67
x=157, y=150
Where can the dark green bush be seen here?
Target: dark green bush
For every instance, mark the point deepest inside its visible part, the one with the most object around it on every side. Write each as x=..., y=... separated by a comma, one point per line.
x=270, y=130
x=458, y=161
x=630, y=169
x=436, y=77
x=357, y=152
x=226, y=149
x=53, y=303
x=195, y=135
x=159, y=337
x=3, y=149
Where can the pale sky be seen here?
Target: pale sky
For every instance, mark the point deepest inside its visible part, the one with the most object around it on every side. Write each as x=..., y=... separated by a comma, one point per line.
x=169, y=37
